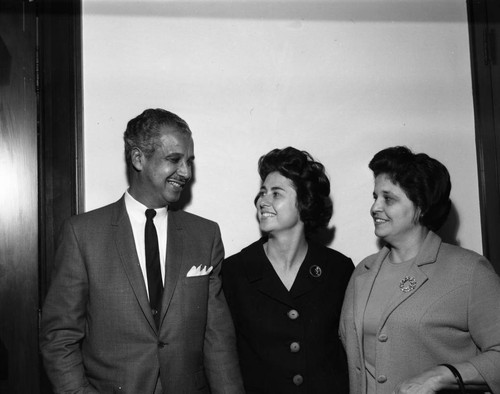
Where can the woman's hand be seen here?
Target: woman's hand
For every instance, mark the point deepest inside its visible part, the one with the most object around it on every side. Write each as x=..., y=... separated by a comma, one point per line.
x=429, y=382
x=441, y=378
x=414, y=386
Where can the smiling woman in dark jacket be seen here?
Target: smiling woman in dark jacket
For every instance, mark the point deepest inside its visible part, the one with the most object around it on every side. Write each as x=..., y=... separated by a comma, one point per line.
x=285, y=291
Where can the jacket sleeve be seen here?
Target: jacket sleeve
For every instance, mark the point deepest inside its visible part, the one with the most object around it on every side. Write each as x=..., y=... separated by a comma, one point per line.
x=63, y=318
x=346, y=312
x=484, y=322
x=221, y=360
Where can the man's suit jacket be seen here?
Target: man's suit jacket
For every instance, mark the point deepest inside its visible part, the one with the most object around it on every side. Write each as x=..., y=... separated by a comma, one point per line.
x=287, y=340
x=451, y=316
x=97, y=328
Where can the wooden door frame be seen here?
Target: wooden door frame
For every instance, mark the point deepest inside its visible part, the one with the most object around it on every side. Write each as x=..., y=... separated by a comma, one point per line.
x=19, y=198
x=483, y=19
x=60, y=129
x=60, y=122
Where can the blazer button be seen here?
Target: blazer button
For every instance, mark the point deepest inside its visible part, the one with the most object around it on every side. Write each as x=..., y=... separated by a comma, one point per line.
x=382, y=338
x=298, y=380
x=293, y=314
x=294, y=347
x=161, y=345
x=382, y=379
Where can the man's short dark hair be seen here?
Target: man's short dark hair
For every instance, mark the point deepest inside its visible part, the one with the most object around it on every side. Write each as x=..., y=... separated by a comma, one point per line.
x=143, y=131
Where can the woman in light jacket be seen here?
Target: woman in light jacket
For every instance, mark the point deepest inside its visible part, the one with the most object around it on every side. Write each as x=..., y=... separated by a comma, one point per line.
x=420, y=316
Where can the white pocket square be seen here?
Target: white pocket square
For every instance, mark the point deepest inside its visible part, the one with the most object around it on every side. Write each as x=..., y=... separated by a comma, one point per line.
x=199, y=271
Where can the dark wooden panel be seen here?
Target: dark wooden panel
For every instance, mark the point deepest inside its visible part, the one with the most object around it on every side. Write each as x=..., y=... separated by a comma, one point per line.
x=18, y=199
x=484, y=33
x=60, y=128
x=61, y=158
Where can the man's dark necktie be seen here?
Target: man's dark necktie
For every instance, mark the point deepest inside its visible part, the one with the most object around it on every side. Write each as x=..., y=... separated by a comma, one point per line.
x=153, y=270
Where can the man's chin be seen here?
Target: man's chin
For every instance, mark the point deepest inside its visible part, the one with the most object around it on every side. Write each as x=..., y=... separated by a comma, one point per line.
x=172, y=198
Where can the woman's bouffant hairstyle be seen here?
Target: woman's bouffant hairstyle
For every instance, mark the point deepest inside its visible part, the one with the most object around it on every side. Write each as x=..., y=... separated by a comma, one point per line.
x=425, y=181
x=310, y=181
x=143, y=132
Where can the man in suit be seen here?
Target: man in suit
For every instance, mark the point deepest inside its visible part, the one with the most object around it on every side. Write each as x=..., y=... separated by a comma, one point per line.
x=123, y=315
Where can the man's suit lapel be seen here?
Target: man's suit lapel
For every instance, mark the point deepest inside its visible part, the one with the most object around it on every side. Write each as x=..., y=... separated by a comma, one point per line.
x=125, y=245
x=173, y=263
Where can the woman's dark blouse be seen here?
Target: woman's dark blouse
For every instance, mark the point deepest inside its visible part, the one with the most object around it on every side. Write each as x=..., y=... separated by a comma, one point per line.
x=288, y=340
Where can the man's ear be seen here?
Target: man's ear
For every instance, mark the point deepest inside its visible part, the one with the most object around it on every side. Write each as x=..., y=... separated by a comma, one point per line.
x=137, y=158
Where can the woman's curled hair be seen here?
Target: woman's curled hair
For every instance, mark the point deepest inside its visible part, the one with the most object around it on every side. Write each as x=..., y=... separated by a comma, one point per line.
x=425, y=181
x=310, y=181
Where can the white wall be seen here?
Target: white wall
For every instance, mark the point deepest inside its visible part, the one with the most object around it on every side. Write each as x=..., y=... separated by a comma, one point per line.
x=340, y=79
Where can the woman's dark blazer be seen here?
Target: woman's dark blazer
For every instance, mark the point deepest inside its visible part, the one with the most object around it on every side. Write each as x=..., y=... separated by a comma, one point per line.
x=287, y=340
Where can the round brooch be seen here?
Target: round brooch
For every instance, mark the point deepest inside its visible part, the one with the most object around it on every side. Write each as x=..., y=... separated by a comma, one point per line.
x=408, y=283
x=315, y=271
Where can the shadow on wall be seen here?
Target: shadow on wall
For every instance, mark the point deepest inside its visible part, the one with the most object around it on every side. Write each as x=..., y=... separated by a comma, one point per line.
x=448, y=232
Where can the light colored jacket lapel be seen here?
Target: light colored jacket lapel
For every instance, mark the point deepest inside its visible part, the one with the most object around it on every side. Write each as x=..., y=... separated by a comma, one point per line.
x=427, y=255
x=420, y=278
x=364, y=282
x=362, y=288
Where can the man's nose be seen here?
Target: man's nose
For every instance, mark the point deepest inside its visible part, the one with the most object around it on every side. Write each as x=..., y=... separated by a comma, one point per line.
x=184, y=170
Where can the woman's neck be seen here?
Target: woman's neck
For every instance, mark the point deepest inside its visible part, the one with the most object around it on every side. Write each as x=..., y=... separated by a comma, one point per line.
x=409, y=248
x=286, y=252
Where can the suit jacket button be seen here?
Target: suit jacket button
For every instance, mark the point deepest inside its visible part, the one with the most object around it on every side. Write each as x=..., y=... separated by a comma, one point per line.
x=382, y=338
x=161, y=345
x=294, y=347
x=298, y=380
x=293, y=314
x=382, y=379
